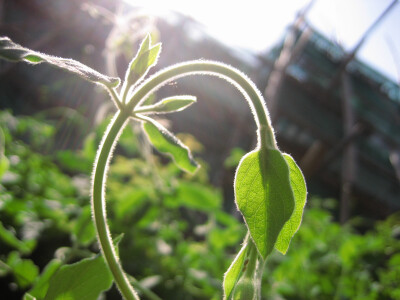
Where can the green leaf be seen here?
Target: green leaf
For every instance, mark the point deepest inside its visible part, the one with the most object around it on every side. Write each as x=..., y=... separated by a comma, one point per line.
x=168, y=105
x=4, y=163
x=14, y=52
x=24, y=270
x=195, y=196
x=264, y=196
x=164, y=141
x=232, y=275
x=28, y=296
x=145, y=58
x=83, y=230
x=85, y=279
x=300, y=195
x=10, y=239
x=41, y=285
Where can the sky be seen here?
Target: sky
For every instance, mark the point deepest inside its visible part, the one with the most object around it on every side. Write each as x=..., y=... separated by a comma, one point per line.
x=259, y=25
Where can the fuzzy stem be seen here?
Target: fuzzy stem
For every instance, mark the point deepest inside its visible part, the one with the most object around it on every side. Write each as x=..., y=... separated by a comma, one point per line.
x=115, y=98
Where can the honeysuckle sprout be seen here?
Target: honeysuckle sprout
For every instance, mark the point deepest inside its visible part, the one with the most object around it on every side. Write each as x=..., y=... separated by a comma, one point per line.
x=270, y=190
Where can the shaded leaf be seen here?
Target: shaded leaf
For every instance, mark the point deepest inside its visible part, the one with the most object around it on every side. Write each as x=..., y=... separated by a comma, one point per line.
x=264, y=196
x=85, y=279
x=41, y=285
x=14, y=52
x=164, y=141
x=300, y=195
x=145, y=58
x=234, y=271
x=24, y=270
x=168, y=105
x=10, y=239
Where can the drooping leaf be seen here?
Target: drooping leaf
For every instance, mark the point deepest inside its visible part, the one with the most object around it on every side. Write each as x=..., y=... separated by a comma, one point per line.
x=168, y=105
x=145, y=58
x=14, y=52
x=232, y=275
x=165, y=142
x=300, y=195
x=264, y=196
x=85, y=279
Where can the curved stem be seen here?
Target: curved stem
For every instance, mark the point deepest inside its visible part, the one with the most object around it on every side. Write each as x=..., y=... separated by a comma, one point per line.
x=256, y=102
x=265, y=133
x=114, y=98
x=99, y=205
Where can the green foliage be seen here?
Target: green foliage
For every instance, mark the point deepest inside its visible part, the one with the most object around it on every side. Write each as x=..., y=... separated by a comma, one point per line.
x=264, y=196
x=177, y=228
x=171, y=227
x=41, y=284
x=164, y=141
x=234, y=271
x=9, y=238
x=23, y=270
x=336, y=262
x=85, y=279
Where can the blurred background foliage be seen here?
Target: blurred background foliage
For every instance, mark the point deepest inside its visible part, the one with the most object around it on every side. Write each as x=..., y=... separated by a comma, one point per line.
x=178, y=240
x=181, y=232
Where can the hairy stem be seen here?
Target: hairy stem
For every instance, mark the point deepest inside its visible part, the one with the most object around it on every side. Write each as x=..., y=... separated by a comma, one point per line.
x=265, y=133
x=99, y=205
x=256, y=102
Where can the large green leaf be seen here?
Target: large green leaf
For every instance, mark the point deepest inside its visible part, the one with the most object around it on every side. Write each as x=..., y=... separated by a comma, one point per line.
x=264, y=196
x=168, y=105
x=14, y=52
x=164, y=141
x=300, y=195
x=85, y=279
x=233, y=273
x=145, y=58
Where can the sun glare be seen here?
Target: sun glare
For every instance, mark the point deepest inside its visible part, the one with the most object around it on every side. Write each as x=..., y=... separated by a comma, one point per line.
x=258, y=25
